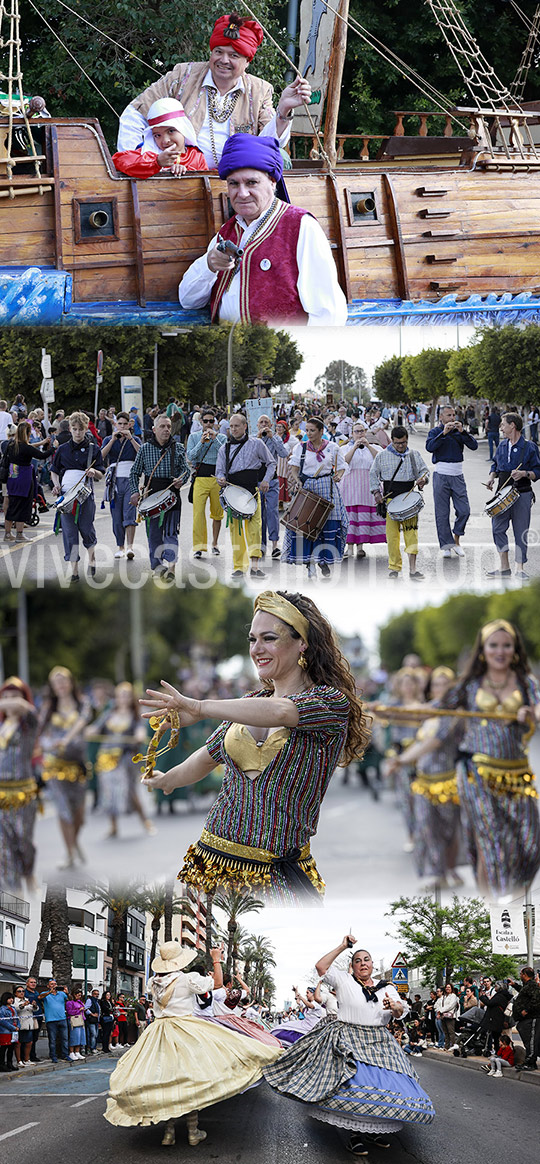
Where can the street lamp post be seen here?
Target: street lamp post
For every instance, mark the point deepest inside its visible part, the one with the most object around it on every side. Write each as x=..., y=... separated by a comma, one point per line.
x=230, y=369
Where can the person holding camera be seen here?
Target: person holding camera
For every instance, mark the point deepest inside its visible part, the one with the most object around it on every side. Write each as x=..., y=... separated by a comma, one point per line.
x=122, y=448
x=202, y=450
x=446, y=443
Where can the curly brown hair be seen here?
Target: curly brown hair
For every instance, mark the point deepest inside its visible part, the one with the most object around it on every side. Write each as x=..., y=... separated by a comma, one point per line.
x=326, y=664
x=476, y=667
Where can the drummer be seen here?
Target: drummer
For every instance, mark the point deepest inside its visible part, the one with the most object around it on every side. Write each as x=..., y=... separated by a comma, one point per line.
x=162, y=461
x=245, y=461
x=121, y=448
x=396, y=470
x=76, y=462
x=516, y=461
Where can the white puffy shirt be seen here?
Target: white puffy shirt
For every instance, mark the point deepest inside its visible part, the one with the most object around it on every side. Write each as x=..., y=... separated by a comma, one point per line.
x=180, y=1004
x=353, y=1005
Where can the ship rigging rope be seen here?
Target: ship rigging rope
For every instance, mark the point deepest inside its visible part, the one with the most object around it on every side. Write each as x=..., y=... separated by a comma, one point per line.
x=70, y=54
x=400, y=65
x=479, y=76
x=116, y=43
x=15, y=75
x=517, y=88
x=522, y=15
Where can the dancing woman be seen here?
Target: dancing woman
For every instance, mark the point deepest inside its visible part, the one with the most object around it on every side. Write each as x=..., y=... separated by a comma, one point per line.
x=18, y=786
x=120, y=732
x=62, y=722
x=181, y=1064
x=352, y=1071
x=497, y=793
x=279, y=745
x=313, y=1012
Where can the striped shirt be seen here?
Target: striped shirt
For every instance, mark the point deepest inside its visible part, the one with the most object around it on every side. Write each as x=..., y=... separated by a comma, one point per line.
x=502, y=739
x=279, y=809
x=383, y=468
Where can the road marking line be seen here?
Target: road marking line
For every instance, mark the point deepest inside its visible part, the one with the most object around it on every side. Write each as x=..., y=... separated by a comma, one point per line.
x=16, y=1131
x=89, y=1100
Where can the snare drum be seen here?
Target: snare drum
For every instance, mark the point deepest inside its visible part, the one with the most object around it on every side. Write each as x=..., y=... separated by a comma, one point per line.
x=308, y=513
x=503, y=500
x=78, y=493
x=239, y=502
x=405, y=508
x=156, y=503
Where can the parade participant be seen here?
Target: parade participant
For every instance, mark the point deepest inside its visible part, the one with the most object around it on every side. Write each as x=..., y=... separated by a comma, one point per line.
x=497, y=793
x=365, y=525
x=226, y=1006
x=352, y=1071
x=162, y=460
x=219, y=96
x=169, y=146
x=286, y=272
x=18, y=787
x=202, y=450
x=394, y=471
x=279, y=746
x=435, y=800
x=282, y=471
x=270, y=499
x=120, y=733
x=199, y=1063
x=446, y=443
x=518, y=461
x=293, y=1029
x=344, y=423
x=78, y=460
x=121, y=449
x=21, y=481
x=241, y=461
x=407, y=692
x=63, y=717
x=318, y=465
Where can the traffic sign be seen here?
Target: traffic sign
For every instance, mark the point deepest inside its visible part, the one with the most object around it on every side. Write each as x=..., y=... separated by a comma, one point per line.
x=400, y=974
x=47, y=390
x=400, y=960
x=99, y=362
x=45, y=364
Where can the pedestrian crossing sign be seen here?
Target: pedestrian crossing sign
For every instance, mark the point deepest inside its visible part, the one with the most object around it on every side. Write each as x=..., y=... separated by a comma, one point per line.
x=400, y=975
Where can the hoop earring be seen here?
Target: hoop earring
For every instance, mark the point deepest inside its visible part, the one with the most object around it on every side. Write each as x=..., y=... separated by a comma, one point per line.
x=481, y=657
x=302, y=661
x=515, y=658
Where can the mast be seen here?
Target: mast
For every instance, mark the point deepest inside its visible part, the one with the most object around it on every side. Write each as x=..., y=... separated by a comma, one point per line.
x=336, y=64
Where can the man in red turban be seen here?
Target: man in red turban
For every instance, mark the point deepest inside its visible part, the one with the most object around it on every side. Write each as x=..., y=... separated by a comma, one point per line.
x=219, y=96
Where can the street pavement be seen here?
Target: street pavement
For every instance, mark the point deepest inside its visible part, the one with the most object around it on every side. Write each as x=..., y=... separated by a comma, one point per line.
x=59, y=1114
x=359, y=846
x=40, y=560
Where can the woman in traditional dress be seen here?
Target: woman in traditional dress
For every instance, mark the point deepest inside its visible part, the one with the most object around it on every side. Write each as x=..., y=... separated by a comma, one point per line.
x=121, y=734
x=282, y=468
x=21, y=482
x=497, y=792
x=62, y=722
x=435, y=800
x=279, y=745
x=318, y=465
x=407, y=691
x=352, y=1071
x=226, y=1005
x=181, y=1064
x=365, y=525
x=18, y=786
x=313, y=1012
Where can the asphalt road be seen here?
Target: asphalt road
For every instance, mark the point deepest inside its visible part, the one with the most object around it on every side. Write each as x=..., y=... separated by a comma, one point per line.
x=41, y=560
x=354, y=830
x=58, y=1114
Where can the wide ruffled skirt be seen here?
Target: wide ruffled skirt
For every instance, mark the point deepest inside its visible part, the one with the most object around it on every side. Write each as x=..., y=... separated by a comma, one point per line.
x=352, y=1076
x=330, y=544
x=181, y=1065
x=245, y=1026
x=501, y=825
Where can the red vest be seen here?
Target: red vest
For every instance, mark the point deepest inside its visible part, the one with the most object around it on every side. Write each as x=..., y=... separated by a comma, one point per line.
x=268, y=270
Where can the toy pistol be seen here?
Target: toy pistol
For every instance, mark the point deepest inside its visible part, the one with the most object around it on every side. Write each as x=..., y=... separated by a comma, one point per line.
x=229, y=248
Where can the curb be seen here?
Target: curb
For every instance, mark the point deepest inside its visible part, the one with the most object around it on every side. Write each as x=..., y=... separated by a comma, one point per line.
x=47, y=1065
x=472, y=1063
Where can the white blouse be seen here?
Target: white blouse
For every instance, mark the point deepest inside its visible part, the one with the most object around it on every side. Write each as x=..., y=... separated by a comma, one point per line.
x=353, y=1005
x=180, y=1003
x=332, y=459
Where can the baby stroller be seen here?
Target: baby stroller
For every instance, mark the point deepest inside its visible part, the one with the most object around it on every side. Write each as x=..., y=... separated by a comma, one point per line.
x=471, y=1034
x=39, y=505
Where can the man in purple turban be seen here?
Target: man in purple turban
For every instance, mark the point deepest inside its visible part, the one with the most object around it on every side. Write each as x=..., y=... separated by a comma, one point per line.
x=284, y=271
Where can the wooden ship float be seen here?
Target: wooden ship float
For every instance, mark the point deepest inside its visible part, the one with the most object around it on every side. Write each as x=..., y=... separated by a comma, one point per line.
x=415, y=233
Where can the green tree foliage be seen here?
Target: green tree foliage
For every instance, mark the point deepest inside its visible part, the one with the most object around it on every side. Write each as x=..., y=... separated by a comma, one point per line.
x=460, y=374
x=448, y=941
x=344, y=380
x=387, y=384
x=446, y=633
x=190, y=366
x=217, y=619
x=424, y=376
x=505, y=364
x=160, y=34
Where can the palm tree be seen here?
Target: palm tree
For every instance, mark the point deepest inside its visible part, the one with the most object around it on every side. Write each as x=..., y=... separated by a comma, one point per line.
x=118, y=899
x=234, y=903
x=209, y=932
x=54, y=927
x=259, y=956
x=156, y=899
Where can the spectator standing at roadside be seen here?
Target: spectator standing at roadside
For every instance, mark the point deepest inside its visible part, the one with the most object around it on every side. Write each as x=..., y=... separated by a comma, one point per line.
x=438, y=1016
x=25, y=1015
x=32, y=995
x=54, y=1007
x=494, y=1005
x=9, y=1032
x=107, y=1019
x=449, y=1013
x=493, y=425
x=75, y=1017
x=120, y=1014
x=526, y=1015
x=92, y=1015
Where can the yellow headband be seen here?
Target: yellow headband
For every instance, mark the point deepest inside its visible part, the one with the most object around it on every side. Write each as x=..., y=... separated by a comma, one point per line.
x=13, y=681
x=443, y=673
x=492, y=627
x=273, y=603
x=60, y=671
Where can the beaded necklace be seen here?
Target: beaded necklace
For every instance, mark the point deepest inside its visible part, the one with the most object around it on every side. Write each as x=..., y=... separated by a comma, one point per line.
x=220, y=110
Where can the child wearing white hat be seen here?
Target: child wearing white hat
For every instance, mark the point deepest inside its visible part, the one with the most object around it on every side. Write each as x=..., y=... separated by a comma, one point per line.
x=169, y=145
